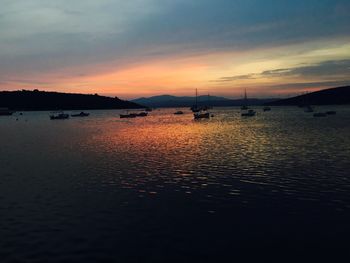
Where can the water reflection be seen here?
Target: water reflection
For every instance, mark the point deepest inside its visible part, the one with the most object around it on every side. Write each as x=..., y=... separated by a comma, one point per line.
x=278, y=151
x=105, y=188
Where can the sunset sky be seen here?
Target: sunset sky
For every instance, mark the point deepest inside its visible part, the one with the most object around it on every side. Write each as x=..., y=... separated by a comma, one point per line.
x=150, y=47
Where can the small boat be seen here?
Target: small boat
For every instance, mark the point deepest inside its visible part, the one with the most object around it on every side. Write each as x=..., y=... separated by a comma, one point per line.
x=201, y=115
x=59, y=115
x=148, y=109
x=5, y=112
x=266, y=108
x=308, y=108
x=141, y=114
x=81, y=114
x=331, y=112
x=131, y=115
x=179, y=112
x=249, y=113
x=320, y=114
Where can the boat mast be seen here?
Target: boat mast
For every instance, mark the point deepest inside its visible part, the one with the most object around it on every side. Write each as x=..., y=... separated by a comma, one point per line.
x=196, y=98
x=245, y=97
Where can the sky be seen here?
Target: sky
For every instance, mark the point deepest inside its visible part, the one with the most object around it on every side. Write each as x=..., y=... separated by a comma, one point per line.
x=135, y=48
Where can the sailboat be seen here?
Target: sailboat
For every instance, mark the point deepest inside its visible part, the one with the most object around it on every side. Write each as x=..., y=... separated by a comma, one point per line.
x=246, y=112
x=195, y=107
x=245, y=104
x=199, y=112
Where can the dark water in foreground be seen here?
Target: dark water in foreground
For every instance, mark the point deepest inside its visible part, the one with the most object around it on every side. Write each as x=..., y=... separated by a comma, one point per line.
x=169, y=189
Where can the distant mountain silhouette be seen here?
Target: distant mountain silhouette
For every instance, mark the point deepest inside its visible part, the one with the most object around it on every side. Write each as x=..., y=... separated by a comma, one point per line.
x=340, y=95
x=42, y=100
x=164, y=101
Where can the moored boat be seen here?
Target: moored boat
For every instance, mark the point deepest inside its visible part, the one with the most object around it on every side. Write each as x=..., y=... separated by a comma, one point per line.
x=331, y=112
x=59, y=115
x=266, y=108
x=81, y=114
x=201, y=115
x=178, y=112
x=141, y=114
x=124, y=116
x=195, y=107
x=133, y=115
x=249, y=113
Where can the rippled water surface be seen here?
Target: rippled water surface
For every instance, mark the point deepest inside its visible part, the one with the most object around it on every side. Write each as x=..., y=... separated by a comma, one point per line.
x=166, y=188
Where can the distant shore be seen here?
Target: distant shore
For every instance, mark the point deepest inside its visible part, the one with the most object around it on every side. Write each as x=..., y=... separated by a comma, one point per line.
x=26, y=100
x=36, y=100
x=332, y=96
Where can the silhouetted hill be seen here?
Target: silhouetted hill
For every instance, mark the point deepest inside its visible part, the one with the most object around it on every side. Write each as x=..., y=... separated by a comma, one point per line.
x=340, y=95
x=174, y=101
x=42, y=100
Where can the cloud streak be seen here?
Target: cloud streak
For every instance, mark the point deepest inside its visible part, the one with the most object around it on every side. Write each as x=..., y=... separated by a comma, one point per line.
x=331, y=69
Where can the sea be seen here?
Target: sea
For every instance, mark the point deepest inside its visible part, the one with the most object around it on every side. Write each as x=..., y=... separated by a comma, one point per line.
x=168, y=188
